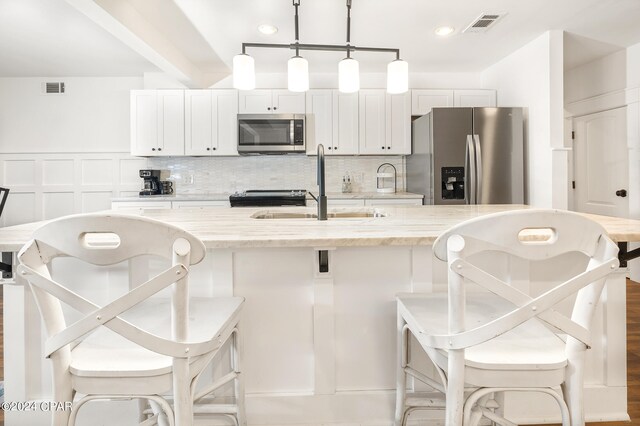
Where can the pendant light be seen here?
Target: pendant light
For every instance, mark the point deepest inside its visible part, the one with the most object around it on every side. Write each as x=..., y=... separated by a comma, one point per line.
x=244, y=72
x=298, y=68
x=348, y=75
x=397, y=76
x=348, y=68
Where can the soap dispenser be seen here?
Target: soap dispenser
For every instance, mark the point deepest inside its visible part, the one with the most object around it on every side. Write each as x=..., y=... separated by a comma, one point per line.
x=346, y=183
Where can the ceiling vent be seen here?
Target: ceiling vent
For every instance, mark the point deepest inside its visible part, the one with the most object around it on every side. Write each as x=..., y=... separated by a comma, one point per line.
x=483, y=22
x=53, y=88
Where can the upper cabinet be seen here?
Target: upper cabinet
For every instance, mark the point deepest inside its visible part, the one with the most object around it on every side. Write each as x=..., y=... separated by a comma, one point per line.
x=474, y=98
x=385, y=122
x=332, y=120
x=423, y=100
x=157, y=122
x=211, y=122
x=265, y=101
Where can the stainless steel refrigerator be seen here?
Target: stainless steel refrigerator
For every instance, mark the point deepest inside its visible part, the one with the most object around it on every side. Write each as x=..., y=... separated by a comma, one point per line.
x=468, y=156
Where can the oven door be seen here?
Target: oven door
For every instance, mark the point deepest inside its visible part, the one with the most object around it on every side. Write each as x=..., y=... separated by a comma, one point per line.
x=275, y=134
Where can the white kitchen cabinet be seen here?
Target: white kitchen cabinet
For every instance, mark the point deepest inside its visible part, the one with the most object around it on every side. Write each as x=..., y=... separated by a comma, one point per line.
x=398, y=127
x=200, y=204
x=267, y=101
x=422, y=100
x=393, y=201
x=319, y=120
x=385, y=122
x=332, y=119
x=140, y=205
x=372, y=121
x=211, y=122
x=345, y=202
x=157, y=122
x=345, y=123
x=474, y=98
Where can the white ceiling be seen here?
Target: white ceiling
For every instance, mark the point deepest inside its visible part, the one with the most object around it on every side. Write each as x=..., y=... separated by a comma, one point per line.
x=52, y=38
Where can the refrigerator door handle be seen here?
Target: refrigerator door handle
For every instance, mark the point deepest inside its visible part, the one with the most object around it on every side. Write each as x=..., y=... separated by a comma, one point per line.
x=470, y=172
x=478, y=150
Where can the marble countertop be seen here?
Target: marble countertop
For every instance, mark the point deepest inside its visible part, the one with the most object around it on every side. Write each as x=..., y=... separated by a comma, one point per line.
x=402, y=226
x=225, y=196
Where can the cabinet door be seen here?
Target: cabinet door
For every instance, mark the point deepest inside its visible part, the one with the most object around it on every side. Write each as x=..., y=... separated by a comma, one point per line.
x=144, y=122
x=372, y=134
x=423, y=100
x=255, y=102
x=286, y=102
x=393, y=202
x=170, y=122
x=199, y=120
x=140, y=205
x=199, y=204
x=398, y=116
x=225, y=136
x=345, y=123
x=345, y=202
x=319, y=121
x=474, y=98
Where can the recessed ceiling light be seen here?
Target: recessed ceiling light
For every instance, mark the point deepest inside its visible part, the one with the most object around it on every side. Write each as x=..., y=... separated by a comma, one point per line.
x=444, y=31
x=267, y=29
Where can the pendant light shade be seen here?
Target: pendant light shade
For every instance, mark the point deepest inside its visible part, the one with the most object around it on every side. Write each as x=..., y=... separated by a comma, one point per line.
x=397, y=76
x=348, y=75
x=244, y=77
x=244, y=72
x=298, y=74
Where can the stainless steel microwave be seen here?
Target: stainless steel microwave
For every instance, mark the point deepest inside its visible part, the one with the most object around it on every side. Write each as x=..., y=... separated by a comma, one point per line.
x=271, y=133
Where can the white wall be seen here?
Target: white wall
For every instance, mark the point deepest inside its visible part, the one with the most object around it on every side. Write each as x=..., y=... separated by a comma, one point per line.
x=92, y=116
x=532, y=77
x=604, y=75
x=633, y=128
x=64, y=154
x=442, y=80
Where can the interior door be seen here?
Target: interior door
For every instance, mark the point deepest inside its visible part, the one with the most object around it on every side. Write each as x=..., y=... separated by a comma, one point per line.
x=601, y=163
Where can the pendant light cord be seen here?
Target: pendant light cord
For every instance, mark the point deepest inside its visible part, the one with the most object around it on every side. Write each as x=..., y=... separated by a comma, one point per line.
x=348, y=28
x=296, y=3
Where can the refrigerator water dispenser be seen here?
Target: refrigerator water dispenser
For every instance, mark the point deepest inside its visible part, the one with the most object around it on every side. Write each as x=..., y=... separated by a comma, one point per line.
x=452, y=183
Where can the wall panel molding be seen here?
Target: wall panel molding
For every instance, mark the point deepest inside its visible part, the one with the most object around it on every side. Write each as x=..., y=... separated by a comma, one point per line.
x=45, y=186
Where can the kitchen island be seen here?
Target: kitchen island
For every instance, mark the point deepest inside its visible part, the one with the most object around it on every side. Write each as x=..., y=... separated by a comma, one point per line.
x=319, y=320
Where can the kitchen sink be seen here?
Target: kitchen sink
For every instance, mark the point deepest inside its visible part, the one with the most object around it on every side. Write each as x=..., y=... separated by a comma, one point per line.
x=336, y=214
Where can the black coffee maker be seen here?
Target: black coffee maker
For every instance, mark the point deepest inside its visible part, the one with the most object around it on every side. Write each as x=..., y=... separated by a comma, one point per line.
x=151, y=184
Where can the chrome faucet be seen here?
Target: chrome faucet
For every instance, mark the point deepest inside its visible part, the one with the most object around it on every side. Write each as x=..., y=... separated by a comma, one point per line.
x=321, y=199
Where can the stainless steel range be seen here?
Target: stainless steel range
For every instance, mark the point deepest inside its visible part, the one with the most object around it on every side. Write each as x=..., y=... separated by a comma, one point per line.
x=269, y=198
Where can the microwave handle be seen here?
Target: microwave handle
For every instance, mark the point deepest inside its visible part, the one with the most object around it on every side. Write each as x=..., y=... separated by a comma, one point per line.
x=292, y=135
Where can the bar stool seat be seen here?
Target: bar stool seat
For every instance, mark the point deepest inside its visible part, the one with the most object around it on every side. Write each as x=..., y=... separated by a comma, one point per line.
x=158, y=347
x=490, y=333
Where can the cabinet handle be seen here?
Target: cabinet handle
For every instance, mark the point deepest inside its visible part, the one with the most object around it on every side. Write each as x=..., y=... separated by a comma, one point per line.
x=208, y=149
x=383, y=147
x=388, y=147
x=274, y=108
x=214, y=148
x=269, y=108
x=335, y=148
x=329, y=147
x=159, y=149
x=153, y=149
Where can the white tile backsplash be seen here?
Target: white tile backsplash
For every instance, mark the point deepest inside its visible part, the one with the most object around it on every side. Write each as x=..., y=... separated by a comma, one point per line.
x=229, y=174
